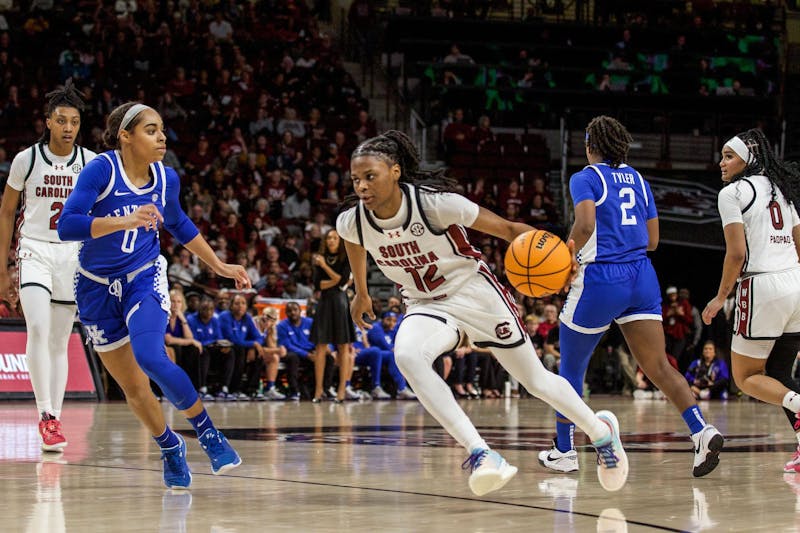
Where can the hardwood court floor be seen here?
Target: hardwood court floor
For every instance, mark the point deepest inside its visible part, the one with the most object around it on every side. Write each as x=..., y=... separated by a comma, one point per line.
x=387, y=466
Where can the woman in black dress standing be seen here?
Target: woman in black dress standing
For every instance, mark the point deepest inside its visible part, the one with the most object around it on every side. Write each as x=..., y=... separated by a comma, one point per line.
x=332, y=323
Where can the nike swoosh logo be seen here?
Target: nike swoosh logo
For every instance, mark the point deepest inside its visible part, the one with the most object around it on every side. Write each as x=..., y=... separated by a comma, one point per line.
x=120, y=193
x=550, y=458
x=697, y=449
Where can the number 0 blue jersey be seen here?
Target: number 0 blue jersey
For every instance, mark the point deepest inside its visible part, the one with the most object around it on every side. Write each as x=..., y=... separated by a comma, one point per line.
x=104, y=190
x=623, y=203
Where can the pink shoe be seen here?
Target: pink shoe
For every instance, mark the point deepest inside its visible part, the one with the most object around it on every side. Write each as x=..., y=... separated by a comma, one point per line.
x=52, y=438
x=794, y=464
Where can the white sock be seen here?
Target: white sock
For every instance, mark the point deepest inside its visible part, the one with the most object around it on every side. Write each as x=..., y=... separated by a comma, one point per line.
x=792, y=401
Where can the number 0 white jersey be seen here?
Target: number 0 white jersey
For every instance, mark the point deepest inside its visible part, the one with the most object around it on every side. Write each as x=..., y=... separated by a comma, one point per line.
x=767, y=223
x=424, y=248
x=45, y=180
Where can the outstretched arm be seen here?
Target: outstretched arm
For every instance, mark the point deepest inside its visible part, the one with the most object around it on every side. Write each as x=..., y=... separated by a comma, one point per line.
x=488, y=222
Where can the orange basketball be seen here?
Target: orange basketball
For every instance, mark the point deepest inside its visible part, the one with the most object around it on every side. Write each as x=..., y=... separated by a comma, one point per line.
x=538, y=263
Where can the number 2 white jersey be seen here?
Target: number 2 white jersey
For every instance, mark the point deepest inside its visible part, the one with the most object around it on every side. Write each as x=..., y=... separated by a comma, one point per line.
x=767, y=223
x=424, y=248
x=45, y=180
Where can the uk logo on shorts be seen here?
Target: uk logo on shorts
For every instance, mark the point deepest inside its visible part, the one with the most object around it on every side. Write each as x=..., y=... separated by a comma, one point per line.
x=503, y=330
x=96, y=335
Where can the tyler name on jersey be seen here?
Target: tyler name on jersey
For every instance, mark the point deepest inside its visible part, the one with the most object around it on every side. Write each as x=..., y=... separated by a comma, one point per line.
x=64, y=185
x=401, y=250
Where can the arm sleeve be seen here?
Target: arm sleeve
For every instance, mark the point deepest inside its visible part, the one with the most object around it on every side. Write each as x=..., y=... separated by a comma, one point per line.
x=445, y=209
x=729, y=203
x=19, y=169
x=75, y=223
x=175, y=219
x=585, y=185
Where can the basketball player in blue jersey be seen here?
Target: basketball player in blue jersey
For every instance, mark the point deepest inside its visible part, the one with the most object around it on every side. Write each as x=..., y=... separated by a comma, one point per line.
x=43, y=175
x=121, y=286
x=412, y=224
x=616, y=224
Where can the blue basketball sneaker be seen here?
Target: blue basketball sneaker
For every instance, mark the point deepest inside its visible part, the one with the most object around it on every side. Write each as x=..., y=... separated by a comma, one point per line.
x=223, y=456
x=490, y=471
x=176, y=472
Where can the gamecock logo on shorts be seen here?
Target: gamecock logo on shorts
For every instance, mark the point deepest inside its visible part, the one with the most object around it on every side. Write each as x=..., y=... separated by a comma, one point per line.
x=503, y=330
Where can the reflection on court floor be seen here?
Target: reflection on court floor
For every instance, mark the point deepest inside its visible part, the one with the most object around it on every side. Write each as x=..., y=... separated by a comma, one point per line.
x=387, y=466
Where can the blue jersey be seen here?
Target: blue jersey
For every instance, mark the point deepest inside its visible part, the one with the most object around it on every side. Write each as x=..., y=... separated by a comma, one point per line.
x=242, y=332
x=104, y=190
x=623, y=203
x=205, y=332
x=380, y=338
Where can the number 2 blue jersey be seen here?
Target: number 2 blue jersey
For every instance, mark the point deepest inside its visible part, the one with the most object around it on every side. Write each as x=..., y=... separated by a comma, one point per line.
x=104, y=190
x=623, y=203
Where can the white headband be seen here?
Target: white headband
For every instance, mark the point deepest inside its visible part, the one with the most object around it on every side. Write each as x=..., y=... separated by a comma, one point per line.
x=737, y=145
x=130, y=114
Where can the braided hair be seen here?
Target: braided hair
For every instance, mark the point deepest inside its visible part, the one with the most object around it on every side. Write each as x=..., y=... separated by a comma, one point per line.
x=783, y=174
x=66, y=96
x=609, y=138
x=395, y=147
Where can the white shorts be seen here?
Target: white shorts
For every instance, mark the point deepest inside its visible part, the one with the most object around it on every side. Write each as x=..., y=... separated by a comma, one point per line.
x=49, y=265
x=482, y=308
x=767, y=306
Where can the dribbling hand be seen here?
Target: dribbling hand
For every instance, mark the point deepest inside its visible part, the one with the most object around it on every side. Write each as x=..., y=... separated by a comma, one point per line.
x=360, y=306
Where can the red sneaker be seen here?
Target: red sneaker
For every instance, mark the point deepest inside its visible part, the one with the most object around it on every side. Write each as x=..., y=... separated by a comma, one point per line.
x=52, y=438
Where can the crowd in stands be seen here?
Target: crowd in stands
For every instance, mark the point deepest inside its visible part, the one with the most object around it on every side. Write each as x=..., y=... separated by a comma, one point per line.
x=527, y=74
x=261, y=118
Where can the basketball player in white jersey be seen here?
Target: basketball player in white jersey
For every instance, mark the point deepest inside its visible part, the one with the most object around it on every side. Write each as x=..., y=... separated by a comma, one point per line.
x=43, y=175
x=759, y=216
x=413, y=227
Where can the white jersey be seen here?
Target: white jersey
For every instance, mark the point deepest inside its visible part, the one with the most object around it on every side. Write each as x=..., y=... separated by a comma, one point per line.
x=767, y=223
x=424, y=248
x=45, y=180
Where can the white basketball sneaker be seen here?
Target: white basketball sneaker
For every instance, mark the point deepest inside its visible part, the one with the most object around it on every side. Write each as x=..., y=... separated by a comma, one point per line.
x=708, y=443
x=558, y=460
x=490, y=471
x=612, y=462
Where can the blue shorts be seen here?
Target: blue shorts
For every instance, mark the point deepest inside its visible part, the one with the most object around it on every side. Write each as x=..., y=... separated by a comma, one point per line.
x=106, y=304
x=603, y=292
